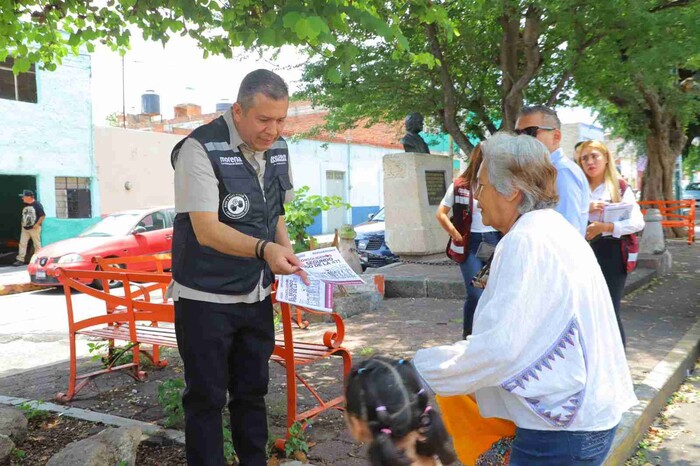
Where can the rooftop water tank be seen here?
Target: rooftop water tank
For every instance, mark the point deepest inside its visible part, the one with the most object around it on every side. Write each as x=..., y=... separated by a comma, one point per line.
x=223, y=105
x=150, y=103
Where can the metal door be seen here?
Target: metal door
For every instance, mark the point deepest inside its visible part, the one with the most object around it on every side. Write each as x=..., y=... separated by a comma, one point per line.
x=335, y=186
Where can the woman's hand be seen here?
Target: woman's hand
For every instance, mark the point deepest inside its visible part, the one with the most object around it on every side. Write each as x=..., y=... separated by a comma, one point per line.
x=597, y=207
x=596, y=228
x=455, y=235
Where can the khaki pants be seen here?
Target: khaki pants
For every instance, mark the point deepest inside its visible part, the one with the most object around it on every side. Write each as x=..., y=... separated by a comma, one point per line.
x=35, y=235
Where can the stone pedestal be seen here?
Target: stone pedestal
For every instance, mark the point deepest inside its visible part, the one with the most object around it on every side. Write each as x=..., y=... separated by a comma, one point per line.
x=653, y=238
x=652, y=247
x=414, y=184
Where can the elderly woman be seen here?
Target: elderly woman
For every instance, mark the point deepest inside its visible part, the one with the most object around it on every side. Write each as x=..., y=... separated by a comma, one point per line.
x=545, y=350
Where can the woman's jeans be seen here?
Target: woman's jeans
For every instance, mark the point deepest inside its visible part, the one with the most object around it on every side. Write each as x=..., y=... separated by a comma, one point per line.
x=560, y=448
x=469, y=268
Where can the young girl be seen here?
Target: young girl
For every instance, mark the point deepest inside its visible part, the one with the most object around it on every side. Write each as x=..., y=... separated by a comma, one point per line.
x=387, y=406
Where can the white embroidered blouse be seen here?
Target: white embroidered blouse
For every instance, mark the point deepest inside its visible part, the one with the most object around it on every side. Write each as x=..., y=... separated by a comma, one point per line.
x=546, y=350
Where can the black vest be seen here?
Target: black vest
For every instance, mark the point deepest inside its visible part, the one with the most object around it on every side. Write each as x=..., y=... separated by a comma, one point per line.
x=242, y=205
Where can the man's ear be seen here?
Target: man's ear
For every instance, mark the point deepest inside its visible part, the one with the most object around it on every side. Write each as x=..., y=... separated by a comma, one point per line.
x=237, y=111
x=557, y=136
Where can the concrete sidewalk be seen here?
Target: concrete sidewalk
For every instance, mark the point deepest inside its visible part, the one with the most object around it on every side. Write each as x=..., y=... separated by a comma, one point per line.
x=661, y=322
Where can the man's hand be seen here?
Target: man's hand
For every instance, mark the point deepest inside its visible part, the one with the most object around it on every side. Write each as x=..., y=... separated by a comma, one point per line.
x=283, y=261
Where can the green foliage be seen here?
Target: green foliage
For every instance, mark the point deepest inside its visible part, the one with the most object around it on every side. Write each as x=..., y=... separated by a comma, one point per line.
x=300, y=214
x=691, y=163
x=366, y=351
x=296, y=440
x=170, y=399
x=120, y=354
x=633, y=78
x=31, y=410
x=35, y=31
x=18, y=455
x=229, y=451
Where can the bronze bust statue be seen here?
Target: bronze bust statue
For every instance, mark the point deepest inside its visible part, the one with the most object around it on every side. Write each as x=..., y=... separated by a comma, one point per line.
x=412, y=142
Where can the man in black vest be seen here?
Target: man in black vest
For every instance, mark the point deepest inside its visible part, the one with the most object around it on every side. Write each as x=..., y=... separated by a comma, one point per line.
x=232, y=178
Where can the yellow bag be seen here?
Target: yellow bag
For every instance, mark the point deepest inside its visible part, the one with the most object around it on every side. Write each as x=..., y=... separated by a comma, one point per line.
x=471, y=433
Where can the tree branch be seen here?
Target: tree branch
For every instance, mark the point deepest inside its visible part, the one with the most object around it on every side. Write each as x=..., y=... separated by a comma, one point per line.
x=673, y=4
x=554, y=95
x=531, y=49
x=448, y=91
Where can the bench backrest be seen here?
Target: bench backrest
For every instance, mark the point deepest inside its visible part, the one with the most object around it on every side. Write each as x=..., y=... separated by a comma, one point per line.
x=159, y=262
x=675, y=213
x=135, y=305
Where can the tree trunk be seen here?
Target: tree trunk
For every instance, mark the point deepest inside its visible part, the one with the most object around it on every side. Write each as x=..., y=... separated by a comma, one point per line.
x=658, y=177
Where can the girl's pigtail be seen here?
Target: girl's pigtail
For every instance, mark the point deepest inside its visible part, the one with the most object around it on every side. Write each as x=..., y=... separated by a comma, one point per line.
x=383, y=452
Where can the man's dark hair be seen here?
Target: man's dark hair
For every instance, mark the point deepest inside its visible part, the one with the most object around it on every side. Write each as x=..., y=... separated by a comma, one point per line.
x=549, y=115
x=264, y=82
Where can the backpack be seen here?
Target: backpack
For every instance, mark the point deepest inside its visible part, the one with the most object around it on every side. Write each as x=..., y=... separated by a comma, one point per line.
x=629, y=243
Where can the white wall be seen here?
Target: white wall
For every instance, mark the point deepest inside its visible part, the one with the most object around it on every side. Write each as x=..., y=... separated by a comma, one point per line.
x=139, y=157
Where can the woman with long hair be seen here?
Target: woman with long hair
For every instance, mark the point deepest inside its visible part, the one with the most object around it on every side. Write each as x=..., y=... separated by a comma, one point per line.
x=606, y=238
x=467, y=231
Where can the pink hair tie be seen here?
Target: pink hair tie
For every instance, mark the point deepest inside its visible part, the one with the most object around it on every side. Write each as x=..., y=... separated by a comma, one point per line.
x=385, y=431
x=380, y=408
x=427, y=408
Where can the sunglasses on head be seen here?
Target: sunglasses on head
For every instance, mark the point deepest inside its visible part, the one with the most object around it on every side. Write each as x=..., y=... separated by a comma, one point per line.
x=532, y=130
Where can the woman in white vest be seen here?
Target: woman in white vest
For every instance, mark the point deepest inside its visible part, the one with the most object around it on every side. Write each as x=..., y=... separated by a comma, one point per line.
x=545, y=351
x=467, y=233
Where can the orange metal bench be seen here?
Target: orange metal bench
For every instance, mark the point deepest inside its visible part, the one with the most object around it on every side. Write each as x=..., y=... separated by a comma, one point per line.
x=136, y=318
x=672, y=214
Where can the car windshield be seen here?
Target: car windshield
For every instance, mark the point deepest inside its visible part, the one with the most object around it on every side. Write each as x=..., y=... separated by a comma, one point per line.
x=693, y=187
x=379, y=216
x=113, y=225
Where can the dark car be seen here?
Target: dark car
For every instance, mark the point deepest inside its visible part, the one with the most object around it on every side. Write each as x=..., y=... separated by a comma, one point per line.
x=370, y=242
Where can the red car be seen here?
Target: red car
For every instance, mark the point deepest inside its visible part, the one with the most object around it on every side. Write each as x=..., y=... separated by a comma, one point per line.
x=128, y=233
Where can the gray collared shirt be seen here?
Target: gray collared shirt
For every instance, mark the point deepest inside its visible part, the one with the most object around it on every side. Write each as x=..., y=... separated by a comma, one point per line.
x=197, y=190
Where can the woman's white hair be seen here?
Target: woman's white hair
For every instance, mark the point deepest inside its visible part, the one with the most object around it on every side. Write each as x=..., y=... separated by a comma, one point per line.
x=521, y=163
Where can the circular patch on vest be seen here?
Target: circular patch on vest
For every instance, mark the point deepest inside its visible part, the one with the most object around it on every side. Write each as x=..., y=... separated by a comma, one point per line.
x=235, y=206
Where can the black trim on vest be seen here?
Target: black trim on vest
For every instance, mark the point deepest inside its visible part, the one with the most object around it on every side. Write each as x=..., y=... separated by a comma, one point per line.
x=243, y=205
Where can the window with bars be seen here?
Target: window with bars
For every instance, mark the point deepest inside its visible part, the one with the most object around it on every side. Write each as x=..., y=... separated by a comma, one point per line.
x=21, y=87
x=73, y=197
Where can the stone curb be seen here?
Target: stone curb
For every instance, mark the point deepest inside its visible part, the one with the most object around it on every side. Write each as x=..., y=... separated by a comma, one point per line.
x=652, y=393
x=149, y=429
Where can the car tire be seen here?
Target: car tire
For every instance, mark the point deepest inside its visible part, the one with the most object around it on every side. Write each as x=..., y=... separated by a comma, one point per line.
x=112, y=283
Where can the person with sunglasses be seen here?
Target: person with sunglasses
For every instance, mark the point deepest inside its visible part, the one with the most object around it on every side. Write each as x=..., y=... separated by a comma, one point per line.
x=542, y=123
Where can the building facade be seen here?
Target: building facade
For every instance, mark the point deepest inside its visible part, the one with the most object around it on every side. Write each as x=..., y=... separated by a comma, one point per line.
x=46, y=145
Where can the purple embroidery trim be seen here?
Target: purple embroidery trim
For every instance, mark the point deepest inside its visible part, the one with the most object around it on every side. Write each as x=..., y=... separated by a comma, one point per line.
x=530, y=374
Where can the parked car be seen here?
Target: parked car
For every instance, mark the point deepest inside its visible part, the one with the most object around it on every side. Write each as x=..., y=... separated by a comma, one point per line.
x=130, y=233
x=370, y=242
x=692, y=191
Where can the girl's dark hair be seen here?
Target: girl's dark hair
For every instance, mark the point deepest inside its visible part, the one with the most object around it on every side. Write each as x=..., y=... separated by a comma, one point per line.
x=388, y=395
x=470, y=173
